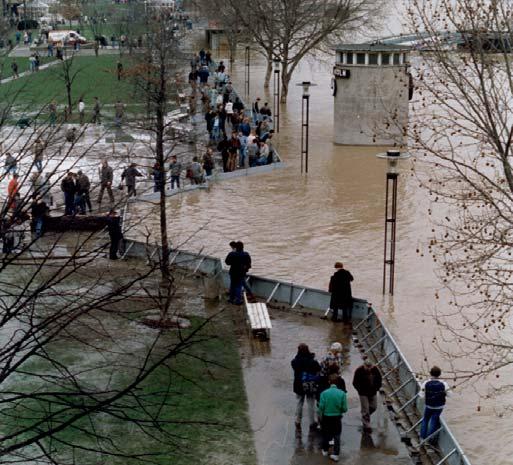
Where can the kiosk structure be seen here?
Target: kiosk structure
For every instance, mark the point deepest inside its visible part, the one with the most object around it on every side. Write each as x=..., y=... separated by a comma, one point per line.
x=372, y=88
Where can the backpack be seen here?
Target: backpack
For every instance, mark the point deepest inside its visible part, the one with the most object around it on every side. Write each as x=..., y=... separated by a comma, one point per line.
x=309, y=383
x=435, y=393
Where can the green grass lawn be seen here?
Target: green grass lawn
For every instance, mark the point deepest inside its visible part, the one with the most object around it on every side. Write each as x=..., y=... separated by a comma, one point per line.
x=186, y=390
x=96, y=77
x=23, y=65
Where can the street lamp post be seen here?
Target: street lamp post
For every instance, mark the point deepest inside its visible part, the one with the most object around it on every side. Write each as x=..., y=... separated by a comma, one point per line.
x=305, y=122
x=276, y=94
x=247, y=70
x=393, y=157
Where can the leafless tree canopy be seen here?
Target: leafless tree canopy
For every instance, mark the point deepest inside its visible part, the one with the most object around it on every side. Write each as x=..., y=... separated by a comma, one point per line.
x=462, y=135
x=289, y=30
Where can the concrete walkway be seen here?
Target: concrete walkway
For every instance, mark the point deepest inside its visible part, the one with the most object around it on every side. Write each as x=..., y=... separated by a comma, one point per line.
x=30, y=73
x=23, y=51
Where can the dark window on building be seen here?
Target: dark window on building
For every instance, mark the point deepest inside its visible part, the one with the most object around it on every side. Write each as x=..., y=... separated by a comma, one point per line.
x=349, y=58
x=373, y=59
x=360, y=58
x=396, y=59
x=385, y=59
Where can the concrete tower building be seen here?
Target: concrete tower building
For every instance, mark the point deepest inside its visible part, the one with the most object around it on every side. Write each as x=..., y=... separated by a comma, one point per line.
x=372, y=89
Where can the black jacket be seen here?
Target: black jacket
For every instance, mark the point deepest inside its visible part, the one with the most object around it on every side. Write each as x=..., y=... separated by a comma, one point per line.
x=303, y=364
x=340, y=288
x=68, y=185
x=237, y=263
x=367, y=382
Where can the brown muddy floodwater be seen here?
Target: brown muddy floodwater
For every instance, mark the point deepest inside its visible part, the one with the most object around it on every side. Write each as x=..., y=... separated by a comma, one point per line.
x=296, y=227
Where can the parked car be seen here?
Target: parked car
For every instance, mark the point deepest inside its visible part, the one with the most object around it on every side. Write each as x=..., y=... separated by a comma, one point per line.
x=65, y=37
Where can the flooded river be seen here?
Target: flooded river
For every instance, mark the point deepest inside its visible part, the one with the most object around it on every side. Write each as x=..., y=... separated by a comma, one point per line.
x=296, y=227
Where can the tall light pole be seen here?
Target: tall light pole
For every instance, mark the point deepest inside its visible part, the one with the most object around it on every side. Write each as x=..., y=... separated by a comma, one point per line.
x=305, y=123
x=276, y=94
x=393, y=157
x=247, y=69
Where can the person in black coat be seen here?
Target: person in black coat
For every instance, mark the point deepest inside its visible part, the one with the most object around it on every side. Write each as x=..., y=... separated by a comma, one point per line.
x=69, y=188
x=306, y=372
x=341, y=296
x=367, y=381
x=115, y=234
x=237, y=262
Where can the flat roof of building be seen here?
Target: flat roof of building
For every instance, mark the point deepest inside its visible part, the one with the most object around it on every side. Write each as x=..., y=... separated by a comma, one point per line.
x=374, y=47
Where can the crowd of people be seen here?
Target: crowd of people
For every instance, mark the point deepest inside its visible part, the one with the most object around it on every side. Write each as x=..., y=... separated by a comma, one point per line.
x=243, y=137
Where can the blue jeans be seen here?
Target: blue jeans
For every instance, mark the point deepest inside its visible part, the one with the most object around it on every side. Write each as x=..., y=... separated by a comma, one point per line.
x=173, y=180
x=236, y=284
x=38, y=226
x=10, y=169
x=430, y=421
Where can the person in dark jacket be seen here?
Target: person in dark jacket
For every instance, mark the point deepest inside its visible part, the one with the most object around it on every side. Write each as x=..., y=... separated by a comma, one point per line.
x=39, y=210
x=306, y=371
x=367, y=381
x=83, y=190
x=237, y=262
x=69, y=188
x=341, y=296
x=435, y=392
x=106, y=178
x=115, y=234
x=158, y=177
x=130, y=175
x=224, y=146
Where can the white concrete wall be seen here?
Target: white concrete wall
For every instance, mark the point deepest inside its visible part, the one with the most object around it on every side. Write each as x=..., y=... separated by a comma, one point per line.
x=371, y=107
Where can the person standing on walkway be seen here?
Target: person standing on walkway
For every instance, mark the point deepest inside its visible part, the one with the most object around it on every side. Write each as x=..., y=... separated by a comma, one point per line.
x=341, y=295
x=367, y=381
x=96, y=111
x=435, y=392
x=81, y=110
x=11, y=164
x=208, y=162
x=175, y=169
x=130, y=175
x=38, y=154
x=14, y=68
x=106, y=178
x=306, y=372
x=115, y=234
x=158, y=177
x=69, y=188
x=13, y=189
x=39, y=211
x=236, y=261
x=332, y=406
x=83, y=190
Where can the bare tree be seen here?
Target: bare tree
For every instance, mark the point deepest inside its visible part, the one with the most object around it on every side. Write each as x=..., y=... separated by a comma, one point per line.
x=462, y=134
x=289, y=30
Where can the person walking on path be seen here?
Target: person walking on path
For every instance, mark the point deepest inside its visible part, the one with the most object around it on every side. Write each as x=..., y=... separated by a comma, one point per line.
x=39, y=211
x=83, y=190
x=96, y=111
x=81, y=110
x=158, y=177
x=38, y=154
x=332, y=406
x=130, y=175
x=435, y=392
x=306, y=372
x=52, y=108
x=237, y=262
x=367, y=382
x=13, y=189
x=106, y=178
x=14, y=68
x=115, y=234
x=332, y=364
x=69, y=188
x=341, y=295
x=175, y=169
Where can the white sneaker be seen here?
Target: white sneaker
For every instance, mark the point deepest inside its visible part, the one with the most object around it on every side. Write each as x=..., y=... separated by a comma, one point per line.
x=324, y=453
x=334, y=458
x=332, y=442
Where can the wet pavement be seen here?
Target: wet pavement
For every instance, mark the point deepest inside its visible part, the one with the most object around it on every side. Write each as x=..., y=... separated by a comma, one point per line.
x=268, y=378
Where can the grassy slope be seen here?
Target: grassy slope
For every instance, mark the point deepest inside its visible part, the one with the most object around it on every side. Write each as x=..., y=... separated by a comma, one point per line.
x=216, y=395
x=96, y=77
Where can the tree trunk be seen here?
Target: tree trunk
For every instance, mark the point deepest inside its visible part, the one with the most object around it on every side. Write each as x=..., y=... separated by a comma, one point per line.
x=68, y=92
x=268, y=72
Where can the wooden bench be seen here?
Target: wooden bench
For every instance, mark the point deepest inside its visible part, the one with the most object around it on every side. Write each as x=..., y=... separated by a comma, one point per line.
x=258, y=319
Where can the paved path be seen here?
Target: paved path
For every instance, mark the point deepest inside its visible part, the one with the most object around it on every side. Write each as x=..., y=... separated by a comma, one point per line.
x=28, y=73
x=24, y=51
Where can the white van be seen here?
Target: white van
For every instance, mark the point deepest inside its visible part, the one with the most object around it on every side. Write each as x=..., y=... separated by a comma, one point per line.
x=64, y=37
